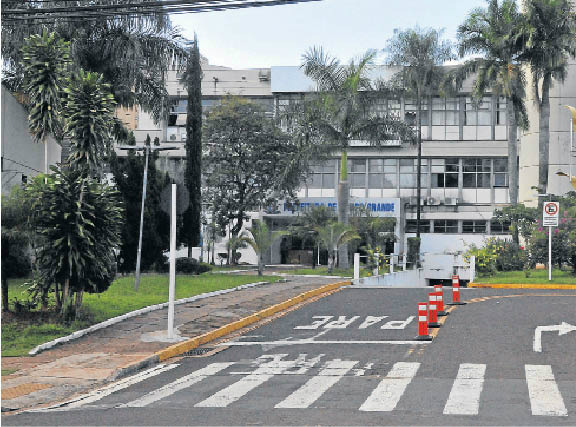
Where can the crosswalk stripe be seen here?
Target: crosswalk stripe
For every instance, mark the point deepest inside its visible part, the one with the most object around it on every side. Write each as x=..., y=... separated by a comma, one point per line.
x=179, y=384
x=386, y=395
x=318, y=385
x=235, y=391
x=545, y=397
x=464, y=397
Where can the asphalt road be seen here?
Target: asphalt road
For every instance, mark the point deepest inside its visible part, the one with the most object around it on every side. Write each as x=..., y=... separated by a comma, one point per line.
x=350, y=359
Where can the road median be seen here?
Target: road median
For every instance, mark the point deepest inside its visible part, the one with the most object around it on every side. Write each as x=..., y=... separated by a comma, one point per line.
x=521, y=286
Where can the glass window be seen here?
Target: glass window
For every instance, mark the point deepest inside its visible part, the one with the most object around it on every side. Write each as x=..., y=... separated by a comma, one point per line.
x=500, y=172
x=474, y=226
x=357, y=173
x=411, y=226
x=501, y=111
x=499, y=228
x=445, y=111
x=408, y=173
x=445, y=173
x=323, y=175
x=410, y=111
x=445, y=226
x=478, y=113
x=476, y=173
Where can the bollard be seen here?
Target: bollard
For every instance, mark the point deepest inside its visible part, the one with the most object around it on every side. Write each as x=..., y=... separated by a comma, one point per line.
x=440, y=300
x=432, y=311
x=456, y=291
x=423, y=322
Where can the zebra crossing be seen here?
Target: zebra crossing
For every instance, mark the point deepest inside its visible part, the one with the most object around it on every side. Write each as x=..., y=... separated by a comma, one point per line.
x=311, y=378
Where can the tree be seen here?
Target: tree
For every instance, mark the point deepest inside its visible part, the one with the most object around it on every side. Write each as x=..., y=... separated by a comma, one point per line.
x=133, y=52
x=306, y=225
x=45, y=59
x=520, y=218
x=549, y=34
x=128, y=172
x=78, y=234
x=260, y=239
x=89, y=119
x=333, y=236
x=495, y=33
x=15, y=241
x=341, y=112
x=420, y=53
x=246, y=159
x=193, y=178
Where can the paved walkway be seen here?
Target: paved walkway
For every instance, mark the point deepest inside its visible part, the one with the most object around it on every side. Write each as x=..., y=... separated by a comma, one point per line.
x=85, y=363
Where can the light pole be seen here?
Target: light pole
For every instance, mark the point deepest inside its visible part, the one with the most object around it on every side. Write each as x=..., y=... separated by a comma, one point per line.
x=146, y=148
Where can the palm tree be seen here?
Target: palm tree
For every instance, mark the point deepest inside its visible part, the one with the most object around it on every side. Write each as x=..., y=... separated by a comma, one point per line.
x=261, y=240
x=307, y=224
x=341, y=112
x=420, y=54
x=550, y=37
x=333, y=236
x=494, y=32
x=45, y=59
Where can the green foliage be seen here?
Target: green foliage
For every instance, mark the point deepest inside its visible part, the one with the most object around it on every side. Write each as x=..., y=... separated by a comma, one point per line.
x=260, y=239
x=375, y=258
x=193, y=177
x=128, y=174
x=90, y=113
x=413, y=254
x=78, y=221
x=520, y=217
x=45, y=59
x=332, y=236
x=529, y=276
x=497, y=255
x=191, y=266
x=374, y=231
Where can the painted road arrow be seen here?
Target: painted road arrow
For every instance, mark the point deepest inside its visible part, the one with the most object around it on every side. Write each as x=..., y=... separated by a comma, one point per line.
x=562, y=329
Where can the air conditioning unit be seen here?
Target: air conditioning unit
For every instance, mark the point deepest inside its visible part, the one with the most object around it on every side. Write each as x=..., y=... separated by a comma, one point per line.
x=450, y=201
x=432, y=201
x=414, y=201
x=264, y=75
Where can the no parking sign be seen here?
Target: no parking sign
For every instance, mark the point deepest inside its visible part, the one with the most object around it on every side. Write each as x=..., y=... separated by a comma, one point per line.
x=550, y=214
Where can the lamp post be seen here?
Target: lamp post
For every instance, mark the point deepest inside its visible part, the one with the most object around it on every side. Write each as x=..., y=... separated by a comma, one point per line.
x=147, y=148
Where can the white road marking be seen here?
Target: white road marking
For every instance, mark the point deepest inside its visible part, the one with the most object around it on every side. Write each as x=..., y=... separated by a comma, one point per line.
x=397, y=324
x=109, y=389
x=258, y=377
x=318, y=385
x=464, y=397
x=371, y=320
x=562, y=329
x=386, y=395
x=310, y=341
x=179, y=384
x=317, y=323
x=341, y=323
x=545, y=397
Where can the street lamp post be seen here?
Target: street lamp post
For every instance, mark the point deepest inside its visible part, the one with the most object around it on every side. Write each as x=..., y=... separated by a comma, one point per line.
x=147, y=149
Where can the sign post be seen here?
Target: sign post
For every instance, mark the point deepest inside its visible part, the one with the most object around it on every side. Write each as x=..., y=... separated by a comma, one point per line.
x=550, y=215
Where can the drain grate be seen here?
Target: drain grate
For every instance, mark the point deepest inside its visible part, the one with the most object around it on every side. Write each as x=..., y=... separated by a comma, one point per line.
x=198, y=352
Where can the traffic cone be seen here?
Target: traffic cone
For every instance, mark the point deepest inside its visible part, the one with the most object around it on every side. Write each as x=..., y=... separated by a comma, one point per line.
x=440, y=300
x=456, y=292
x=423, y=322
x=432, y=311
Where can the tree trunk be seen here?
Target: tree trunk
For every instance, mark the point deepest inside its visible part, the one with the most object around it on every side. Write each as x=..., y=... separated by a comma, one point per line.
x=57, y=296
x=343, y=206
x=44, y=298
x=260, y=265
x=331, y=261
x=5, y=306
x=512, y=152
x=544, y=133
x=65, y=296
x=418, y=165
x=79, y=298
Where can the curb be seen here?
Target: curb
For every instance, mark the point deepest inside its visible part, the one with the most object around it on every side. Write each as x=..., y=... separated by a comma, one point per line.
x=112, y=321
x=519, y=286
x=192, y=343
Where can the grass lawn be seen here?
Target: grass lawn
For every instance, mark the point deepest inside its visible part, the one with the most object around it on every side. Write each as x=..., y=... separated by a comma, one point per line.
x=20, y=333
x=536, y=277
x=323, y=271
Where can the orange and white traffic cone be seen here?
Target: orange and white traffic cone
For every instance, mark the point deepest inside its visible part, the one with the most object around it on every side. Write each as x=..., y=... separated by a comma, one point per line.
x=440, y=300
x=423, y=322
x=432, y=311
x=456, y=292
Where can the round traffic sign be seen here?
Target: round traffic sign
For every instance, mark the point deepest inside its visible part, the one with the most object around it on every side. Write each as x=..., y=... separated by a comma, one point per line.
x=551, y=208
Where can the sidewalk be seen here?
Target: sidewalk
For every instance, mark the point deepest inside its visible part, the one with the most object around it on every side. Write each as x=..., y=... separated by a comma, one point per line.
x=99, y=357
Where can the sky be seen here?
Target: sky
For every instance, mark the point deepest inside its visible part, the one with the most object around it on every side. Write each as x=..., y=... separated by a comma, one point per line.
x=279, y=35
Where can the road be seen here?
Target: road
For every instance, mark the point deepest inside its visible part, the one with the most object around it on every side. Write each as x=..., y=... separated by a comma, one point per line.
x=351, y=359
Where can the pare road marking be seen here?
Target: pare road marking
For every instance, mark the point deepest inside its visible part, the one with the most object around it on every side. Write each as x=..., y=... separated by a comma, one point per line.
x=343, y=322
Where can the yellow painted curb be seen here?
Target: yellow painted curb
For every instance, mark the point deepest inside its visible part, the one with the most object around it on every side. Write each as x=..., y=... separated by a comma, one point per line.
x=520, y=286
x=192, y=343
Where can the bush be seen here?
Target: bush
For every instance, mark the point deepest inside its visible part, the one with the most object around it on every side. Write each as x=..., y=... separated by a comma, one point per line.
x=413, y=251
x=191, y=266
x=17, y=265
x=497, y=255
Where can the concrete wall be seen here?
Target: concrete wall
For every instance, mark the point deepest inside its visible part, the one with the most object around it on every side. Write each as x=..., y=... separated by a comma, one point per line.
x=21, y=156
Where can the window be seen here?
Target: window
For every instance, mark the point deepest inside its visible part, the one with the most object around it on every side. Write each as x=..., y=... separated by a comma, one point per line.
x=445, y=173
x=500, y=172
x=179, y=105
x=410, y=110
x=408, y=173
x=476, y=173
x=478, y=113
x=501, y=111
x=382, y=173
x=445, y=226
x=474, y=226
x=411, y=226
x=357, y=173
x=445, y=111
x=499, y=228
x=322, y=176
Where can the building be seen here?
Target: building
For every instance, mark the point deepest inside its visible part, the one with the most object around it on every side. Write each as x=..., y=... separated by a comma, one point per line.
x=22, y=158
x=464, y=175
